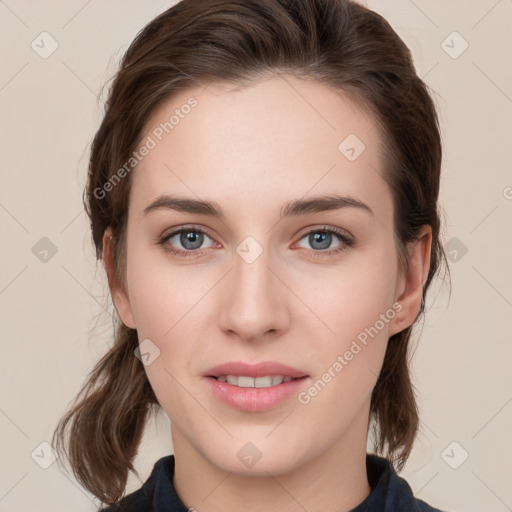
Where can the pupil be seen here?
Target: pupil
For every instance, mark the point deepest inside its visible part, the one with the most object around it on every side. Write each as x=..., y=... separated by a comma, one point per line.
x=323, y=238
x=190, y=237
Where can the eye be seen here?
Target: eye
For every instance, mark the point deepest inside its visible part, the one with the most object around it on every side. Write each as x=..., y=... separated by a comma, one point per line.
x=321, y=239
x=191, y=239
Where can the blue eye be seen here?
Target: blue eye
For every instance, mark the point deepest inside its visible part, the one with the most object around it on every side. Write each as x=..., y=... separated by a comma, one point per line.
x=191, y=239
x=320, y=240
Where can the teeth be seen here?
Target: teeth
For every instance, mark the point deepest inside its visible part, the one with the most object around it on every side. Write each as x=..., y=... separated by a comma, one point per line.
x=244, y=381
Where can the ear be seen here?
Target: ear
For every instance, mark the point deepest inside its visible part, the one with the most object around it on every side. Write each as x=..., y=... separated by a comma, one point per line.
x=117, y=289
x=410, y=286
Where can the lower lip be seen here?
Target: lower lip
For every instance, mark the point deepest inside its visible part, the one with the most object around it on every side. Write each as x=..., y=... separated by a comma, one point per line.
x=255, y=399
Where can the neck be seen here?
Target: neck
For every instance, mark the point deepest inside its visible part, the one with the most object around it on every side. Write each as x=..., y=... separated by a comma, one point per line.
x=333, y=481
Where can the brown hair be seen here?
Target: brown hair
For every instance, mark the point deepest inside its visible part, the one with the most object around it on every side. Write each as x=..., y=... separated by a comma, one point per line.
x=335, y=42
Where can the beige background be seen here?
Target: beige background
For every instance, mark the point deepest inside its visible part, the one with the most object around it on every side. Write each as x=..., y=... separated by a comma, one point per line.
x=54, y=327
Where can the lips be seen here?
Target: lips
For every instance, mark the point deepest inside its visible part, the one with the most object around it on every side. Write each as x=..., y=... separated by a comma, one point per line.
x=263, y=369
x=255, y=387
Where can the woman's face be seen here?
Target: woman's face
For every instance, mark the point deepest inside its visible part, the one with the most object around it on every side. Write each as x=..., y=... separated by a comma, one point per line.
x=267, y=281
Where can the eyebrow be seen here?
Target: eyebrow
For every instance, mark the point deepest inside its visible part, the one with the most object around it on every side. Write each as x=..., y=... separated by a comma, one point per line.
x=297, y=207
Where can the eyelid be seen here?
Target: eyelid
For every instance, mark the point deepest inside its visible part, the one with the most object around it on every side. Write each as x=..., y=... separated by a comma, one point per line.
x=186, y=227
x=324, y=227
x=172, y=232
x=346, y=238
x=347, y=241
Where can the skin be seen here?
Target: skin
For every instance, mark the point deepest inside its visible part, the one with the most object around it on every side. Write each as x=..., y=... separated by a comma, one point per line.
x=252, y=150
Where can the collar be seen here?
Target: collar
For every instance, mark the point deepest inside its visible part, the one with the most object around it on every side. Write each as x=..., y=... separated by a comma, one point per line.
x=389, y=492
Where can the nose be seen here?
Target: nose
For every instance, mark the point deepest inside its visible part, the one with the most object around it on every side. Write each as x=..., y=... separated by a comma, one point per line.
x=253, y=301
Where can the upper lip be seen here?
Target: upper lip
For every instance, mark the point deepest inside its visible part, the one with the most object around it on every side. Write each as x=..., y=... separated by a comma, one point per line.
x=255, y=370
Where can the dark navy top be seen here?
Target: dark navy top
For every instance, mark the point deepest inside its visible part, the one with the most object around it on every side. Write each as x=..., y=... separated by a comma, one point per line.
x=389, y=492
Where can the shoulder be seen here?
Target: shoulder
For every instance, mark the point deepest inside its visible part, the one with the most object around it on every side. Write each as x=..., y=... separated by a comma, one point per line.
x=134, y=502
x=390, y=492
x=421, y=506
x=142, y=500
x=425, y=507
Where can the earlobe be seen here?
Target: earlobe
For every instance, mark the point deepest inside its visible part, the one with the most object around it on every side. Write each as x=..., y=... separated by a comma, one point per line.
x=117, y=290
x=410, y=291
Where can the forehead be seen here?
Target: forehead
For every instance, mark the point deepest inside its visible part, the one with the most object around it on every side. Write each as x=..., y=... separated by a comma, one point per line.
x=278, y=136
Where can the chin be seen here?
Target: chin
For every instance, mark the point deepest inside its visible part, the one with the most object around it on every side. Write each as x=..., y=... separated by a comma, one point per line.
x=257, y=459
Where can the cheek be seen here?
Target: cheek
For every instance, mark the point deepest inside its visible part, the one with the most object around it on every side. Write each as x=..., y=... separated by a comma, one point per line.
x=343, y=299
x=347, y=363
x=162, y=294
x=351, y=297
x=167, y=302
x=353, y=311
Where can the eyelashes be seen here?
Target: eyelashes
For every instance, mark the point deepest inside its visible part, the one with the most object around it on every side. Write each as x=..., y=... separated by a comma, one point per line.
x=184, y=253
x=346, y=241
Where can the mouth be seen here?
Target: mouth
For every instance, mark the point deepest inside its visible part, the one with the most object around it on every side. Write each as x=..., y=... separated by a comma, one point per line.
x=255, y=394
x=246, y=381
x=260, y=375
x=255, y=387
